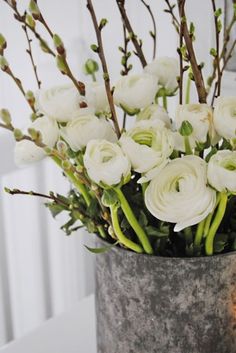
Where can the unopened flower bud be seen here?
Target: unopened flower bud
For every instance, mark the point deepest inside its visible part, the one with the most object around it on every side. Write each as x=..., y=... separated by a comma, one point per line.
x=30, y=21
x=35, y=135
x=30, y=98
x=3, y=63
x=90, y=67
x=3, y=43
x=62, y=147
x=61, y=64
x=34, y=10
x=5, y=116
x=59, y=45
x=186, y=128
x=94, y=48
x=44, y=46
x=18, y=134
x=103, y=23
x=66, y=165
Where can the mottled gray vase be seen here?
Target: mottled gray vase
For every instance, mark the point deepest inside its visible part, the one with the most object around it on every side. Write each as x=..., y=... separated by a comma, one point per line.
x=148, y=304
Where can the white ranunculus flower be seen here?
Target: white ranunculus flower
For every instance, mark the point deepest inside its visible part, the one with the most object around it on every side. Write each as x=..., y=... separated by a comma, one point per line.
x=105, y=162
x=200, y=116
x=135, y=92
x=148, y=146
x=166, y=71
x=61, y=103
x=27, y=152
x=81, y=130
x=221, y=171
x=97, y=97
x=155, y=112
x=225, y=117
x=179, y=193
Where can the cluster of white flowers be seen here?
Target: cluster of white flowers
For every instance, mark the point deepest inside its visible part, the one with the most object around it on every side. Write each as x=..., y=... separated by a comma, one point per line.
x=179, y=190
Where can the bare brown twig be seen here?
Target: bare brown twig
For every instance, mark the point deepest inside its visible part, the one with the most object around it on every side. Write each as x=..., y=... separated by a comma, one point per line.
x=133, y=36
x=154, y=32
x=170, y=10
x=29, y=51
x=181, y=74
x=104, y=66
x=217, y=56
x=197, y=71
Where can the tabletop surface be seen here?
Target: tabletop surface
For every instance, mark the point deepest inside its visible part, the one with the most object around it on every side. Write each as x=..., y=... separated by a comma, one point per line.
x=71, y=332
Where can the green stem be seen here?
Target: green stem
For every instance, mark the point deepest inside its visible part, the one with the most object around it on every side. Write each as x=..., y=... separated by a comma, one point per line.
x=134, y=222
x=79, y=186
x=209, y=218
x=199, y=233
x=93, y=77
x=188, y=149
x=188, y=91
x=164, y=100
x=216, y=223
x=120, y=235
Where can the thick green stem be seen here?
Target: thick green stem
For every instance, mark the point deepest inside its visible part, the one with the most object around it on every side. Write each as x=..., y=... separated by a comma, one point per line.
x=188, y=149
x=164, y=100
x=199, y=233
x=209, y=218
x=216, y=223
x=188, y=91
x=134, y=222
x=120, y=235
x=79, y=186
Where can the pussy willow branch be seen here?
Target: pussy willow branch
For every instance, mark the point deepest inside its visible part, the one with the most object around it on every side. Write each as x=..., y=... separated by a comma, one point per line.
x=197, y=71
x=29, y=51
x=133, y=36
x=181, y=74
x=223, y=54
x=22, y=19
x=104, y=66
x=217, y=57
x=52, y=196
x=154, y=33
x=170, y=10
x=18, y=82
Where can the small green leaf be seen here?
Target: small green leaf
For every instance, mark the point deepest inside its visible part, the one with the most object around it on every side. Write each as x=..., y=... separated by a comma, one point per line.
x=101, y=250
x=109, y=198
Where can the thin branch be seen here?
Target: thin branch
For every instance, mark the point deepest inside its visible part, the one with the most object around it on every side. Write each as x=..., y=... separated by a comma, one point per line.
x=104, y=67
x=133, y=36
x=217, y=57
x=22, y=19
x=154, y=32
x=197, y=71
x=181, y=74
x=170, y=10
x=29, y=51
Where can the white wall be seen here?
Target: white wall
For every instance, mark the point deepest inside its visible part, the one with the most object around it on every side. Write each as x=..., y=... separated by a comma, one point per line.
x=43, y=272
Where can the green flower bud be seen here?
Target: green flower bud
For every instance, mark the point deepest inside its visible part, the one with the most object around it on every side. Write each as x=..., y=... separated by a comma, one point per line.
x=103, y=23
x=30, y=21
x=186, y=128
x=33, y=117
x=5, y=116
x=34, y=10
x=3, y=63
x=35, y=135
x=109, y=198
x=94, y=48
x=18, y=134
x=30, y=98
x=90, y=67
x=59, y=45
x=66, y=165
x=3, y=43
x=44, y=46
x=61, y=64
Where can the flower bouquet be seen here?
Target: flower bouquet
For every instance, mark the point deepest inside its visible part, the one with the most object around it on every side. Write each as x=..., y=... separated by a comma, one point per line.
x=143, y=182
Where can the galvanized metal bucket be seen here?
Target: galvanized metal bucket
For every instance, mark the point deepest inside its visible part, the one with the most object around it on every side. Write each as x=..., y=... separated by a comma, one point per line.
x=151, y=304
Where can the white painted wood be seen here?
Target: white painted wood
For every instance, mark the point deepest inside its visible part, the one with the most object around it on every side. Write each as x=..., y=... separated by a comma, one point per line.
x=72, y=332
